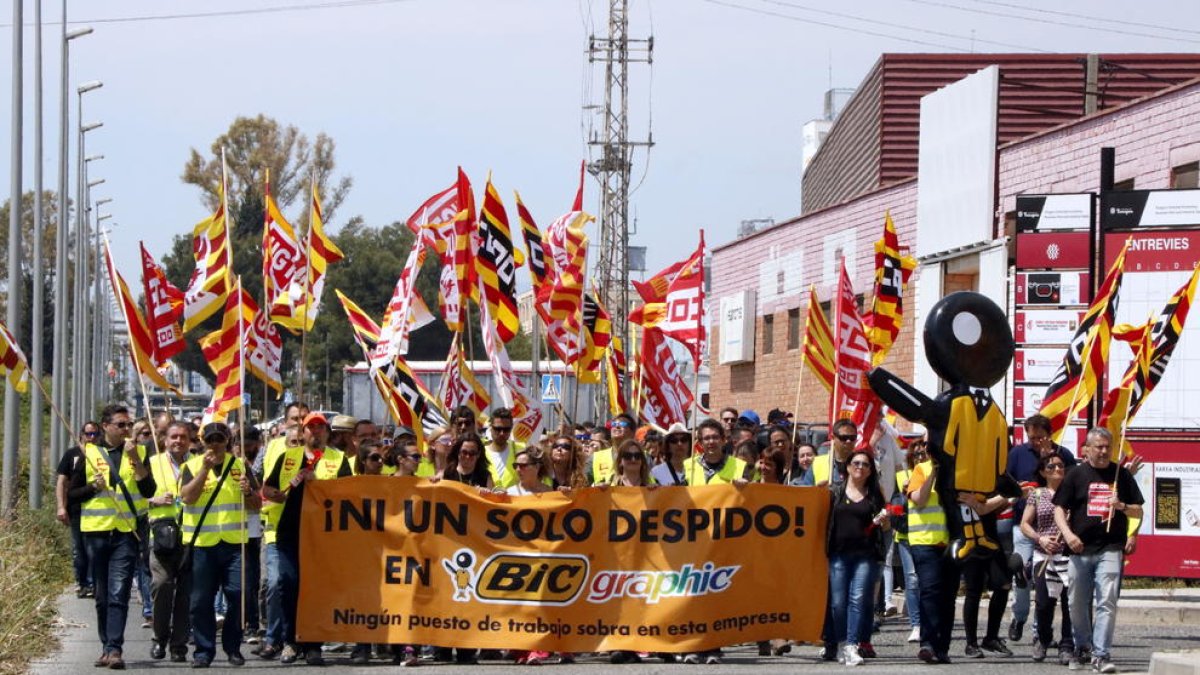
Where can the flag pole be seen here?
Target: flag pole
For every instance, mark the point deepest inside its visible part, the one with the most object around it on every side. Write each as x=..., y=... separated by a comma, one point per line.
x=145, y=400
x=241, y=357
x=835, y=331
x=307, y=284
x=698, y=359
x=1120, y=451
x=266, y=308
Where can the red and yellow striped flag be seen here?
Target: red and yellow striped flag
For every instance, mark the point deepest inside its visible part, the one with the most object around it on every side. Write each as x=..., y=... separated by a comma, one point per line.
x=817, y=347
x=615, y=377
x=892, y=271
x=12, y=361
x=1075, y=383
x=496, y=263
x=210, y=282
x=141, y=343
x=297, y=309
x=226, y=357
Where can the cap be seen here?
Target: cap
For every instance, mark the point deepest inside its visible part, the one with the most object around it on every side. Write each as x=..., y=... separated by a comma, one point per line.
x=750, y=416
x=777, y=415
x=215, y=429
x=403, y=431
x=315, y=418
x=343, y=423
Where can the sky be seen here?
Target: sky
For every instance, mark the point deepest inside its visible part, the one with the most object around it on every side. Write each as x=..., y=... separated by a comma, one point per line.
x=410, y=89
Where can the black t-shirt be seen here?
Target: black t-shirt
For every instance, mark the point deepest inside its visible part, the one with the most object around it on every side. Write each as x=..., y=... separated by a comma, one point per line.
x=287, y=534
x=850, y=522
x=1085, y=493
x=66, y=466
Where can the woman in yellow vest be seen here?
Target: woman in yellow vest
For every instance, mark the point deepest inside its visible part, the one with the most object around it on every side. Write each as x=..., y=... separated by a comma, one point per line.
x=216, y=481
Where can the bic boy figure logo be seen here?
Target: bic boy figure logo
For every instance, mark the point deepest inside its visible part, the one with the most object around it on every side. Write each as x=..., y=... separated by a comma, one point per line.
x=462, y=573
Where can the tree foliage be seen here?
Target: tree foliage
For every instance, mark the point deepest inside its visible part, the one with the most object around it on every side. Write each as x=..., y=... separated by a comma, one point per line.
x=49, y=233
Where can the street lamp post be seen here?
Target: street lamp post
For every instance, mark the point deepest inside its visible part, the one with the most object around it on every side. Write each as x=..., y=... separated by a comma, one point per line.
x=98, y=310
x=60, y=438
x=12, y=403
x=84, y=327
x=78, y=414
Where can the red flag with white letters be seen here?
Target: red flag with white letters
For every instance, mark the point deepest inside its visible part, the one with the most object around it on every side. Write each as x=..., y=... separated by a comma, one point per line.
x=853, y=351
x=164, y=307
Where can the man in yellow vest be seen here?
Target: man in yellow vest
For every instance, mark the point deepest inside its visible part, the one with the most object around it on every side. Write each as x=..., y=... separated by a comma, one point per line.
x=170, y=582
x=502, y=450
x=273, y=600
x=285, y=485
x=937, y=574
x=830, y=468
x=113, y=483
x=713, y=466
x=216, y=493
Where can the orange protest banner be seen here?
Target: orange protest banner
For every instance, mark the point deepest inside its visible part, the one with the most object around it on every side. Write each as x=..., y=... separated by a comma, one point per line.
x=402, y=560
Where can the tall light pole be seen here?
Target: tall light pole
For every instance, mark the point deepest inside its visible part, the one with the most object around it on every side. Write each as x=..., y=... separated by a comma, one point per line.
x=36, y=447
x=98, y=310
x=60, y=437
x=78, y=415
x=12, y=404
x=83, y=328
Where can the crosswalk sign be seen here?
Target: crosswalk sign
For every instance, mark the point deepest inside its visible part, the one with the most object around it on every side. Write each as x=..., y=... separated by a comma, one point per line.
x=551, y=388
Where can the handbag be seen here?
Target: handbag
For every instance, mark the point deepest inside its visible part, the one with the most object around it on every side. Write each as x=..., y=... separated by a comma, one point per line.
x=166, y=536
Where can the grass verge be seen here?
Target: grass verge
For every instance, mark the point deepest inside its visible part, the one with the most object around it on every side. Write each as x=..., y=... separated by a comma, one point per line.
x=35, y=567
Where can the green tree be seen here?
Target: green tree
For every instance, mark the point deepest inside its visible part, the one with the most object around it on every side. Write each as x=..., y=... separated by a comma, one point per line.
x=49, y=233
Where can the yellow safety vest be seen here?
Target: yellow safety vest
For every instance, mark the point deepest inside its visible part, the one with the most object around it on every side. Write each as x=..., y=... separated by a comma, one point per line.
x=927, y=524
x=425, y=468
x=510, y=472
x=108, y=510
x=225, y=520
x=165, y=481
x=901, y=479
x=353, y=459
x=602, y=465
x=820, y=467
x=732, y=470
x=293, y=460
x=271, y=510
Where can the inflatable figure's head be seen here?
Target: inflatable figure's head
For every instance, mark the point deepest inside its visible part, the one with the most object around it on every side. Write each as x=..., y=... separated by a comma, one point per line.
x=967, y=340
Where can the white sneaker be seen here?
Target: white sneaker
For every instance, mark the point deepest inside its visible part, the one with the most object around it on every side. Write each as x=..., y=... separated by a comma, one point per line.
x=850, y=655
x=915, y=635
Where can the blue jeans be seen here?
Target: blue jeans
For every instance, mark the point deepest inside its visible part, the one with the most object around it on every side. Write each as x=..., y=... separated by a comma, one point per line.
x=79, y=555
x=937, y=583
x=274, y=597
x=289, y=590
x=1095, y=578
x=851, y=585
x=114, y=560
x=214, y=567
x=912, y=586
x=1022, y=546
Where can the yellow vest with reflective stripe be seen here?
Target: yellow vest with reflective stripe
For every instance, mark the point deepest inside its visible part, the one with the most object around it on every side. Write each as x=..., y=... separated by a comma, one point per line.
x=602, y=465
x=426, y=468
x=510, y=472
x=225, y=520
x=165, y=481
x=927, y=524
x=108, y=510
x=693, y=471
x=271, y=510
x=293, y=461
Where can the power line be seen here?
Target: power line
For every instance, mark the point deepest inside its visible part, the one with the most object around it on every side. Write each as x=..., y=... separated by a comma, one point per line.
x=334, y=4
x=1097, y=19
x=815, y=22
x=1051, y=22
x=897, y=25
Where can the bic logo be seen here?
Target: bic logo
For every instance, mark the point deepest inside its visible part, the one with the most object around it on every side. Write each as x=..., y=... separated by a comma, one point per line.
x=517, y=578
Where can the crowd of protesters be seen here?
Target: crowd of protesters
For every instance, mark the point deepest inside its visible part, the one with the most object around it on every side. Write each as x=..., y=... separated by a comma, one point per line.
x=206, y=519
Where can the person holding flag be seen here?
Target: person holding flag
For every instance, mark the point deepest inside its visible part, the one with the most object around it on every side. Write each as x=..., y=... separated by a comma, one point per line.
x=1092, y=509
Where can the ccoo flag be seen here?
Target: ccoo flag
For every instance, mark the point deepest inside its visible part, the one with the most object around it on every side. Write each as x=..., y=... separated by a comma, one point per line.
x=164, y=307
x=297, y=309
x=141, y=342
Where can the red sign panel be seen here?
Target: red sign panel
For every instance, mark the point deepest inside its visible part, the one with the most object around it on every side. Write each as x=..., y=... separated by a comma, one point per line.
x=1053, y=250
x=1155, y=250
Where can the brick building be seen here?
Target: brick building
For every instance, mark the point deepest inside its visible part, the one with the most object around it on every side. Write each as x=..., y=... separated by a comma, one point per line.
x=1157, y=141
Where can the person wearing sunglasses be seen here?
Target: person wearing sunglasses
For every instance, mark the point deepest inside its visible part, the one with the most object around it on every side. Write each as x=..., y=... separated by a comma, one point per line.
x=502, y=450
x=633, y=467
x=1049, y=560
x=830, y=469
x=1023, y=461
x=566, y=464
x=408, y=458
x=676, y=448
x=855, y=545
x=371, y=462
x=437, y=457
x=68, y=509
x=113, y=482
x=531, y=474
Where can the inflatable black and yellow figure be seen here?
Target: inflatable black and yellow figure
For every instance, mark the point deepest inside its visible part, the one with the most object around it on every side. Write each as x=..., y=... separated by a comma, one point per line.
x=970, y=346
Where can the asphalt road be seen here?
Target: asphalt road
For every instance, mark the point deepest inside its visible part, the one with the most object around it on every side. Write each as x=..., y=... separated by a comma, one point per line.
x=1134, y=645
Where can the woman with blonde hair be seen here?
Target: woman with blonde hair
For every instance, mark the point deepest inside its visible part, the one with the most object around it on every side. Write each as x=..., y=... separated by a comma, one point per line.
x=437, y=456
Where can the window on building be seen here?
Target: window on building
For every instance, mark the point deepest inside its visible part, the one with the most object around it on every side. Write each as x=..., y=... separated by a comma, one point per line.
x=768, y=346
x=1126, y=184
x=794, y=328
x=1186, y=176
